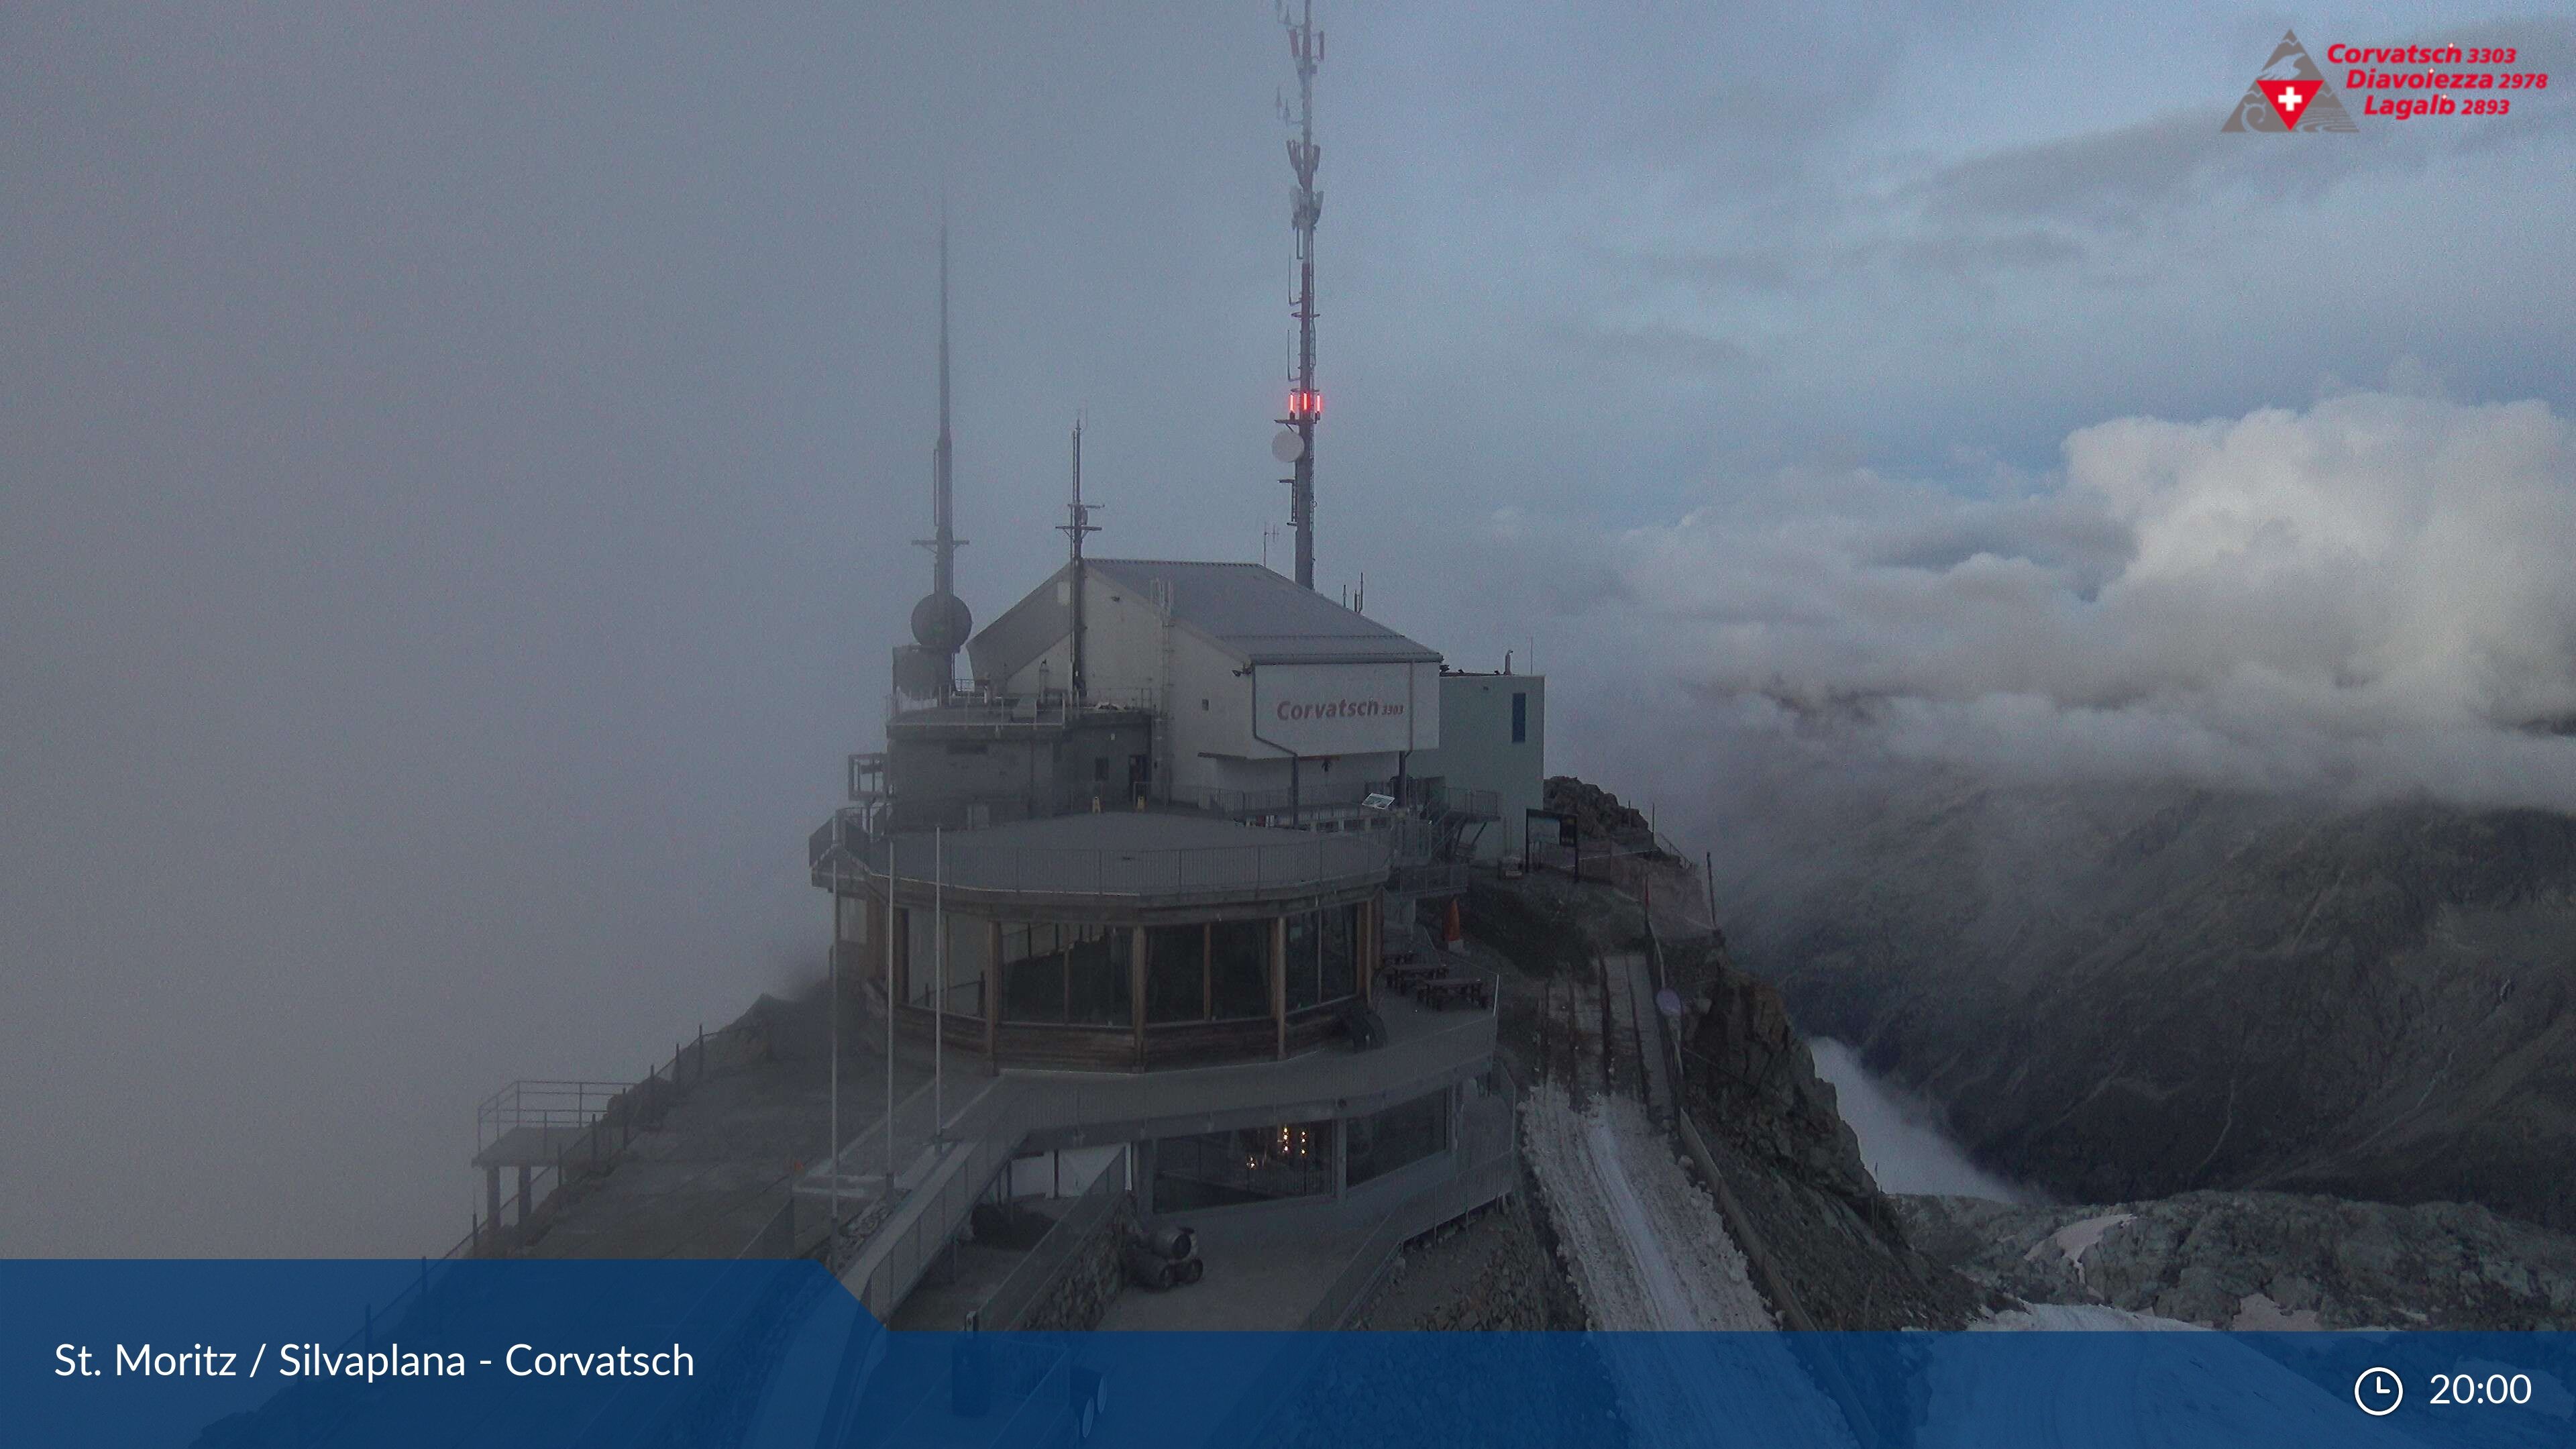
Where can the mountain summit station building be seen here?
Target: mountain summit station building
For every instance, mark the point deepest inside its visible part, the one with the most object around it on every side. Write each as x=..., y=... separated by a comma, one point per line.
x=1142, y=883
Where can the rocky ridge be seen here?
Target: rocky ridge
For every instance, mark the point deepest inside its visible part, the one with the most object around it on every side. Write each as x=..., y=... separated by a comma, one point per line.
x=2262, y=1260
x=2126, y=995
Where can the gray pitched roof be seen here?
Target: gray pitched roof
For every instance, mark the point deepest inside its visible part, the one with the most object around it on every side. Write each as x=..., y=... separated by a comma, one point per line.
x=1261, y=616
x=1264, y=616
x=1024, y=631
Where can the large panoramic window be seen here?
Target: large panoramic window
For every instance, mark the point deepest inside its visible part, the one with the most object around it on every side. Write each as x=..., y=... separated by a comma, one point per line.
x=1032, y=974
x=1256, y=1164
x=969, y=942
x=1096, y=984
x=1399, y=1136
x=1239, y=959
x=1066, y=974
x=1323, y=956
x=1303, y=964
x=1340, y=925
x=1176, y=973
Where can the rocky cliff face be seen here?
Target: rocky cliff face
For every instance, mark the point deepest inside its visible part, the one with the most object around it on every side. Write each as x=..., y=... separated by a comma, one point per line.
x=1790, y=1163
x=2259, y=1260
x=1795, y=1168
x=1598, y=813
x=2136, y=996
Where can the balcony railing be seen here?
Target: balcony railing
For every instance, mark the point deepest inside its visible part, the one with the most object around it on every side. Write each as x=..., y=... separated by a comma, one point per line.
x=1053, y=707
x=1321, y=862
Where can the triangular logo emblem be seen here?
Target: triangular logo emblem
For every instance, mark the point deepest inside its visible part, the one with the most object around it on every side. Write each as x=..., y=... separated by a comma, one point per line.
x=2290, y=95
x=2289, y=98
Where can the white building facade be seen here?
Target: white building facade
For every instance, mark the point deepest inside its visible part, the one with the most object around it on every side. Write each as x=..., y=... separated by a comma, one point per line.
x=1493, y=738
x=1262, y=691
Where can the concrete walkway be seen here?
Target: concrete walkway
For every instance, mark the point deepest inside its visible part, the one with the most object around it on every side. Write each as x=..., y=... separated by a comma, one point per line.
x=718, y=1167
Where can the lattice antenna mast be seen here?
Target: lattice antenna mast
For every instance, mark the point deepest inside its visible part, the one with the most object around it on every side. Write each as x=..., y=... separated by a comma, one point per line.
x=1078, y=513
x=1077, y=523
x=1306, y=205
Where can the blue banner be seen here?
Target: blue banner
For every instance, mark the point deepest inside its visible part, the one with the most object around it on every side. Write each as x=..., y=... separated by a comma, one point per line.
x=231, y=1355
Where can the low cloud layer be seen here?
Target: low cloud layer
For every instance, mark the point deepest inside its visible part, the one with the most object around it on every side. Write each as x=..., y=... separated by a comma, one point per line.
x=1902, y=1141
x=2371, y=597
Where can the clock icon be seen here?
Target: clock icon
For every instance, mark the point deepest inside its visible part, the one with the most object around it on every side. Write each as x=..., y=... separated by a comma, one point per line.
x=2378, y=1391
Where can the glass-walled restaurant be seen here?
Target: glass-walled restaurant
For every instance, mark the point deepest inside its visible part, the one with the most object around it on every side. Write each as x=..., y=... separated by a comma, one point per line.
x=1114, y=941
x=1120, y=995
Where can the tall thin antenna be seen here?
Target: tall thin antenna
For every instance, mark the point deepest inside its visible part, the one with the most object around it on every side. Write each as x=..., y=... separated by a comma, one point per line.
x=941, y=622
x=1078, y=522
x=939, y=984
x=943, y=456
x=1306, y=205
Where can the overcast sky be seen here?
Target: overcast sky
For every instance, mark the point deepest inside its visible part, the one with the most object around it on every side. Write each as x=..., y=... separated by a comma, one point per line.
x=457, y=466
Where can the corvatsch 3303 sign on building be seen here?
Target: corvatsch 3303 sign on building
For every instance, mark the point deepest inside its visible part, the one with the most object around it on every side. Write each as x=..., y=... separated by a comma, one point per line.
x=1346, y=709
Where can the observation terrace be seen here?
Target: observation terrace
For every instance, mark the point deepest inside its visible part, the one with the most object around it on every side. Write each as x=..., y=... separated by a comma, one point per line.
x=1099, y=865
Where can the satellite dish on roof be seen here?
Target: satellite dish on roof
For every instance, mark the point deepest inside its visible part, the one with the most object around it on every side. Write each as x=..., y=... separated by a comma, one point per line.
x=941, y=623
x=1287, y=447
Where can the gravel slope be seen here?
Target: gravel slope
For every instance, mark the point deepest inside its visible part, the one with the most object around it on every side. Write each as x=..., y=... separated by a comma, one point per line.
x=1648, y=1250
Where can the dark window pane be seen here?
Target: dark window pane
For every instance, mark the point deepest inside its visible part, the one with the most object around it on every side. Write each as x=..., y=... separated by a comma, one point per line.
x=1302, y=961
x=1021, y=941
x=1176, y=973
x=1341, y=937
x=1033, y=990
x=1257, y=1164
x=1520, y=719
x=1402, y=1134
x=1096, y=970
x=1242, y=970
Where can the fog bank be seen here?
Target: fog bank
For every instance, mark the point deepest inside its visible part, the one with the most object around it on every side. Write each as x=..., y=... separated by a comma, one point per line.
x=2365, y=599
x=1901, y=1140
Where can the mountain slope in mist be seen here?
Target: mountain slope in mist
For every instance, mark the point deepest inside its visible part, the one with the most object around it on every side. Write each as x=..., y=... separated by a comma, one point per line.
x=2128, y=994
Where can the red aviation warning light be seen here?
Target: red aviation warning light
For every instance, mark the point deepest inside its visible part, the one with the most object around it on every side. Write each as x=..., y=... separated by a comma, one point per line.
x=1304, y=405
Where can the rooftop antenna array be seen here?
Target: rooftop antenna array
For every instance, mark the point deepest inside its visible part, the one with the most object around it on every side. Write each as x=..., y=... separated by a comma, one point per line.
x=941, y=622
x=1296, y=441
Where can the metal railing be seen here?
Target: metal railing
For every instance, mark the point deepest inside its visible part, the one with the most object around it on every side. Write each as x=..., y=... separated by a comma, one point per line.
x=1045, y=707
x=1490, y=1175
x=600, y=1137
x=1055, y=1254
x=543, y=1104
x=978, y=1144
x=1324, y=795
x=1321, y=862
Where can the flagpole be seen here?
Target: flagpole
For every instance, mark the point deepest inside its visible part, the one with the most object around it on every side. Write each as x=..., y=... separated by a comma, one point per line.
x=833, y=972
x=889, y=1005
x=939, y=1000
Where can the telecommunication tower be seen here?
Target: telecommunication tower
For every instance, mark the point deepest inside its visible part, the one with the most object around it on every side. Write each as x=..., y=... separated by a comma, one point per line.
x=1078, y=516
x=1296, y=441
x=941, y=622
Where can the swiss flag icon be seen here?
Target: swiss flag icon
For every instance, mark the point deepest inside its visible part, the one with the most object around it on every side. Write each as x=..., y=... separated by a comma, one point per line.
x=2289, y=98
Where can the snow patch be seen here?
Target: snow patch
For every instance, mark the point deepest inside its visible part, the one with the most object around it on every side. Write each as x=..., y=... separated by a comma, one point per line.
x=2257, y=1313
x=1647, y=1249
x=2078, y=1318
x=2075, y=1239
